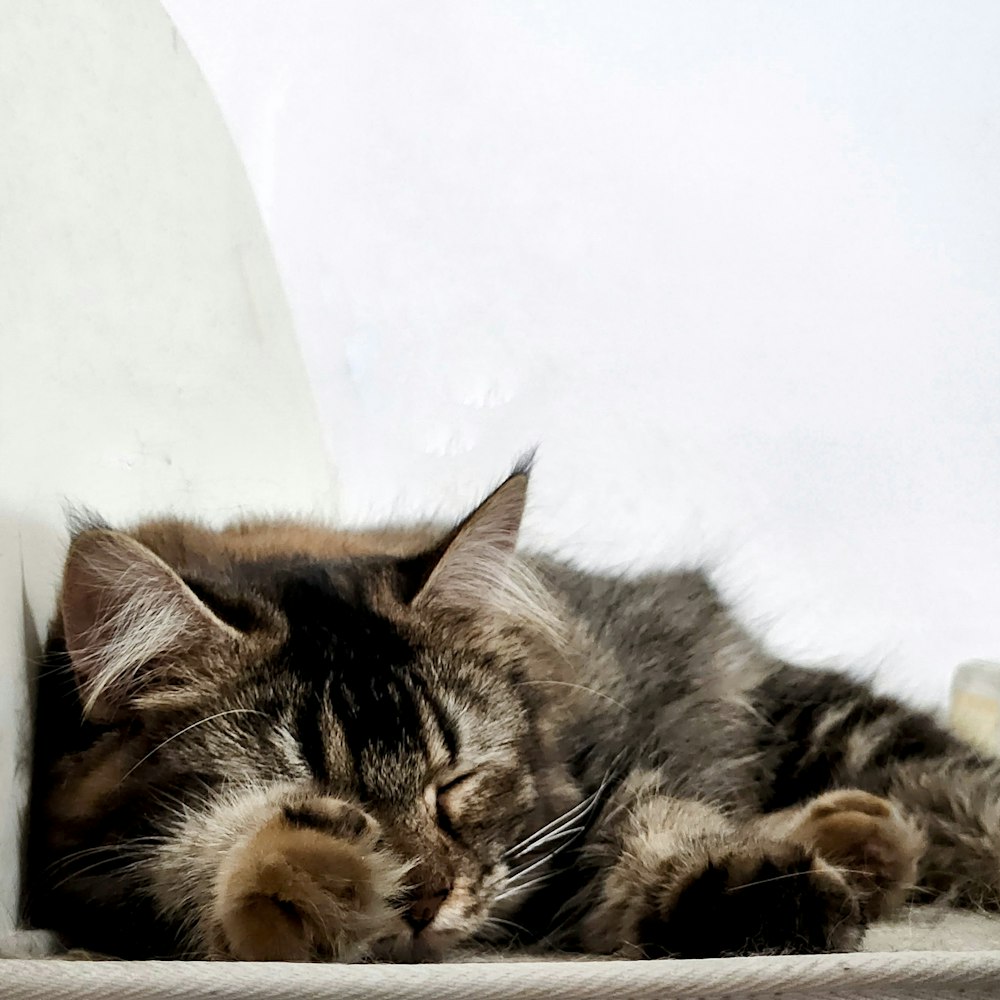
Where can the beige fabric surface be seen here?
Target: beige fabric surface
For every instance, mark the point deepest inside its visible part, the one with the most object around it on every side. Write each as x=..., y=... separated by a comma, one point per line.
x=927, y=954
x=892, y=976
x=936, y=929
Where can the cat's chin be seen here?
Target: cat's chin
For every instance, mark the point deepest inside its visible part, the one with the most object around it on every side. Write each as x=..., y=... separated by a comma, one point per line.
x=429, y=946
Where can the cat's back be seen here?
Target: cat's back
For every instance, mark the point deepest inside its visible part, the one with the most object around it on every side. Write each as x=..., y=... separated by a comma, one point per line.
x=665, y=622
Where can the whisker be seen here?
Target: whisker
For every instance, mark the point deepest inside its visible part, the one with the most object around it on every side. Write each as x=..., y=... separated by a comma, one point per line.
x=778, y=878
x=200, y=722
x=507, y=893
x=517, y=875
x=580, y=687
x=572, y=815
x=560, y=834
x=526, y=845
x=97, y=864
x=764, y=881
x=489, y=921
x=567, y=836
x=128, y=846
x=581, y=811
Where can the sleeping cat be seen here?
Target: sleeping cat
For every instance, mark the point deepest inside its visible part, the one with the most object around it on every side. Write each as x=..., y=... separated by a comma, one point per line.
x=283, y=742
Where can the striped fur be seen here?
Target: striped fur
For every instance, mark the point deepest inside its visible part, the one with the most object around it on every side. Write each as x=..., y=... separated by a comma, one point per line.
x=280, y=741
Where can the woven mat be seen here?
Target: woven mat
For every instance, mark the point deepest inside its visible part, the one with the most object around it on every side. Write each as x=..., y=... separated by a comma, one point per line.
x=930, y=955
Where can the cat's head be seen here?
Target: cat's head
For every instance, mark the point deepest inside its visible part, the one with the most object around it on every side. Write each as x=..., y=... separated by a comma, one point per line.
x=226, y=683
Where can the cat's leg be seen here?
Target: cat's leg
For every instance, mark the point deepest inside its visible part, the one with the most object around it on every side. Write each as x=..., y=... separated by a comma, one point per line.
x=873, y=843
x=956, y=801
x=281, y=875
x=868, y=741
x=683, y=879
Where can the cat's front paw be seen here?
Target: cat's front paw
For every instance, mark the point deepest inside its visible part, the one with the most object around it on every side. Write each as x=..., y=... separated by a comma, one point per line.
x=875, y=847
x=760, y=899
x=309, y=885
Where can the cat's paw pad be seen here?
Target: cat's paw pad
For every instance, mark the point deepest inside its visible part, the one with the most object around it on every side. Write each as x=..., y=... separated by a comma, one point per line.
x=763, y=899
x=309, y=885
x=873, y=845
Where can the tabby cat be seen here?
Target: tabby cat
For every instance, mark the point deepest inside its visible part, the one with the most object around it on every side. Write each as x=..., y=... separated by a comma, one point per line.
x=282, y=742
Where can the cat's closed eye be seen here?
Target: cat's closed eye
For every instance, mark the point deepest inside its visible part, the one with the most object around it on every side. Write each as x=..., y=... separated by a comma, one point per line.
x=446, y=800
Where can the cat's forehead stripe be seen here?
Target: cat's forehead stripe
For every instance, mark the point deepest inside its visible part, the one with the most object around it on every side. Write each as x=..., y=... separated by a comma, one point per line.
x=449, y=737
x=353, y=665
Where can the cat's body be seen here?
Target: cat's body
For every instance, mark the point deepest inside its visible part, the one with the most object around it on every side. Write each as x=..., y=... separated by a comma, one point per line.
x=313, y=745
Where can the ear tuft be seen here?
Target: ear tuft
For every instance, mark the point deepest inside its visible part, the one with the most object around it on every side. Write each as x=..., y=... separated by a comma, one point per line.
x=131, y=624
x=475, y=567
x=479, y=552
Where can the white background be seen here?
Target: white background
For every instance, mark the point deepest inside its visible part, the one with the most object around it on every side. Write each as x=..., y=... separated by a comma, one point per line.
x=733, y=265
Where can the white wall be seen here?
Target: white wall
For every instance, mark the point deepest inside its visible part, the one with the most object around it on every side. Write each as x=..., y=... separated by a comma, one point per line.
x=147, y=362
x=733, y=264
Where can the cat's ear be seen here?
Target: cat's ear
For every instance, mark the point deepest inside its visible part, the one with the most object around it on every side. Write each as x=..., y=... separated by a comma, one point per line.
x=476, y=559
x=132, y=626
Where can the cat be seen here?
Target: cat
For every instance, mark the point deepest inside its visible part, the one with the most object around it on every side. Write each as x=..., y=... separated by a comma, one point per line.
x=278, y=741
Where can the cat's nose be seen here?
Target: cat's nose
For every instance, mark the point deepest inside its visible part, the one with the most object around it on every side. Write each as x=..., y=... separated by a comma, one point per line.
x=425, y=906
